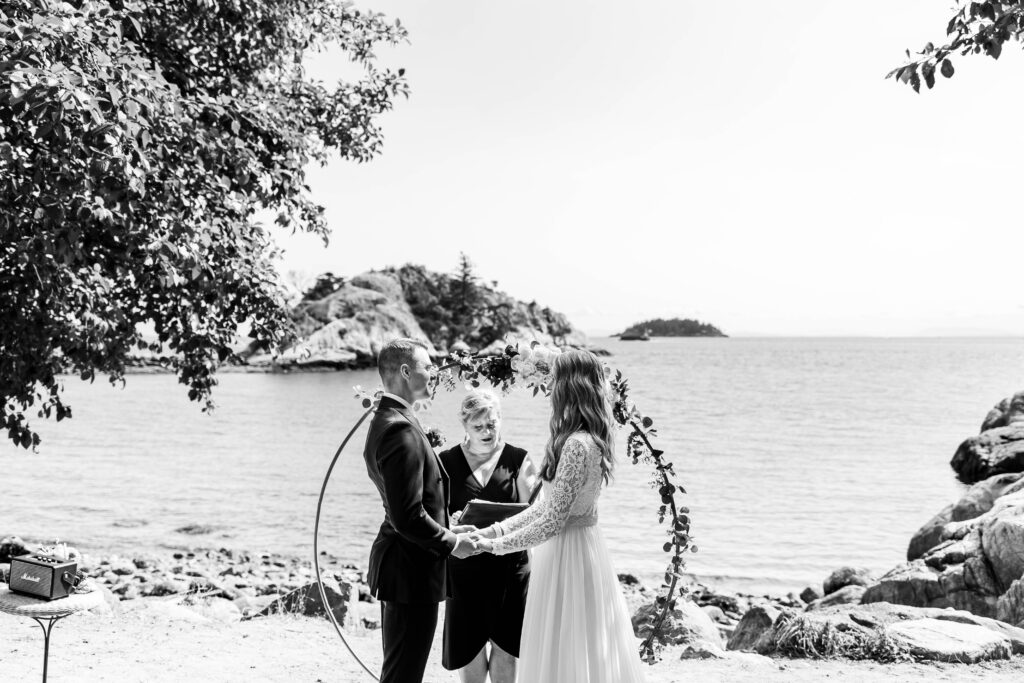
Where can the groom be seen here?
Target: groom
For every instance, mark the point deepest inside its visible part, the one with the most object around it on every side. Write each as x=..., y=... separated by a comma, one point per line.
x=408, y=558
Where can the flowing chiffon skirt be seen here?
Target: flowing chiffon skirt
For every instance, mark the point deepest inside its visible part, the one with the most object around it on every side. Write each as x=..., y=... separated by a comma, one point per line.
x=576, y=628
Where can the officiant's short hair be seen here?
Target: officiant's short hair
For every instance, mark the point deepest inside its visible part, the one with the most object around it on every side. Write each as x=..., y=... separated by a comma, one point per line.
x=478, y=403
x=395, y=354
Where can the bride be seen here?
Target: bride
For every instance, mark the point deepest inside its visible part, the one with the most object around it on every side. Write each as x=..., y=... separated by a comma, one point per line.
x=576, y=628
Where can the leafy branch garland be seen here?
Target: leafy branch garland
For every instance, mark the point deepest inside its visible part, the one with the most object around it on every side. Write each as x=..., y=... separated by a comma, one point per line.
x=530, y=366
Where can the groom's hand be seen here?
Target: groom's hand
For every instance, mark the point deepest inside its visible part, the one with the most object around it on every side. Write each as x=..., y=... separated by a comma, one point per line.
x=466, y=547
x=464, y=529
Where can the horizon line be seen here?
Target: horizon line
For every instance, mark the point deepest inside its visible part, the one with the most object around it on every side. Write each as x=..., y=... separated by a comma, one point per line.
x=778, y=335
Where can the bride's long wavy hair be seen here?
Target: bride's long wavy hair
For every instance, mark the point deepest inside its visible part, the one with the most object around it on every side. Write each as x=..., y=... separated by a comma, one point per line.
x=579, y=402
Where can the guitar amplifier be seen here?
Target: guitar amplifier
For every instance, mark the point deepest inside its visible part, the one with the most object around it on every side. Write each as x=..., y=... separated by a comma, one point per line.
x=43, y=576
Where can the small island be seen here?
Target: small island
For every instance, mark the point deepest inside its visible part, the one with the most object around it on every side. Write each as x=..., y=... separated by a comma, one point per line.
x=676, y=327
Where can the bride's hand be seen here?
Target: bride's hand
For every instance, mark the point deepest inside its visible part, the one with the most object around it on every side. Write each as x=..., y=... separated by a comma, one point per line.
x=484, y=545
x=487, y=532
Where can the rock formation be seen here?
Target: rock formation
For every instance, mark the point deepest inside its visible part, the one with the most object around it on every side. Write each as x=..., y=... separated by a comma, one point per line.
x=977, y=501
x=977, y=565
x=1007, y=412
x=999, y=447
x=347, y=327
x=846, y=576
x=970, y=555
x=675, y=327
x=995, y=451
x=344, y=326
x=879, y=631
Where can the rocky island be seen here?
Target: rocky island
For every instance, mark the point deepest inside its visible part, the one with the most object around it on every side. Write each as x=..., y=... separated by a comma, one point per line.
x=676, y=327
x=341, y=322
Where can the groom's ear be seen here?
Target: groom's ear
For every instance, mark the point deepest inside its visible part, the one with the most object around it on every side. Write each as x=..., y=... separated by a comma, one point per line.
x=404, y=371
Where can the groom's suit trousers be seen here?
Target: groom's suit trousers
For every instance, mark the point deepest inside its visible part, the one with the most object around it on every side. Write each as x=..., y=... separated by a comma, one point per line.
x=408, y=630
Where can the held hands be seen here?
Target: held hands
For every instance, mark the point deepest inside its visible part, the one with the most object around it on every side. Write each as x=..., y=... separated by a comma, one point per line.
x=471, y=541
x=467, y=540
x=467, y=546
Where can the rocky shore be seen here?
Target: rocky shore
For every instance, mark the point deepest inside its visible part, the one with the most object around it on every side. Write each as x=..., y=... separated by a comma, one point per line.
x=960, y=594
x=247, y=585
x=741, y=632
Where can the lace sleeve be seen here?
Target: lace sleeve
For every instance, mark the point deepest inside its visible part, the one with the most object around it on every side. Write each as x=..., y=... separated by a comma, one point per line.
x=524, y=518
x=549, y=519
x=525, y=483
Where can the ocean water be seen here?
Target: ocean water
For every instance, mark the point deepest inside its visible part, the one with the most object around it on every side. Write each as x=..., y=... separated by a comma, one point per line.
x=798, y=455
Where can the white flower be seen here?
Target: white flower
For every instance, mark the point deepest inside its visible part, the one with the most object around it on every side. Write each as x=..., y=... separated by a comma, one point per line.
x=545, y=354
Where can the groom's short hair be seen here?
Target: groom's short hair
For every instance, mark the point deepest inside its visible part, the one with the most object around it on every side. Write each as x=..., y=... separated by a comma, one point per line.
x=395, y=354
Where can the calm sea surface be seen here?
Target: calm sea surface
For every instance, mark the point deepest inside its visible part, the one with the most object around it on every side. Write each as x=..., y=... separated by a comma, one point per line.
x=799, y=455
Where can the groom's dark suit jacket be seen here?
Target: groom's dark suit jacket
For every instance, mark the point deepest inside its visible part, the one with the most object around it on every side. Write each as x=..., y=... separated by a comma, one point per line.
x=408, y=557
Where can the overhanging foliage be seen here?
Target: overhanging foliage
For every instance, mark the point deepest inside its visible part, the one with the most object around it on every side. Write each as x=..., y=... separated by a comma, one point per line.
x=138, y=143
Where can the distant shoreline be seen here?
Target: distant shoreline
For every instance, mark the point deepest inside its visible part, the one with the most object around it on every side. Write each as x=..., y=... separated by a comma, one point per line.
x=780, y=337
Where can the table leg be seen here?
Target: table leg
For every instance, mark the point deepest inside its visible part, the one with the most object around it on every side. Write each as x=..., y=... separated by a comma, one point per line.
x=46, y=639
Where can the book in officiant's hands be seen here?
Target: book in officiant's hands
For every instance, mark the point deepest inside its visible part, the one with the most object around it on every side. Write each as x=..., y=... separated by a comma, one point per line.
x=482, y=513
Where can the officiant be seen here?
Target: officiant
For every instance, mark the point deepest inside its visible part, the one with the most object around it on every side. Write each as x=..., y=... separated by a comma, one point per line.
x=488, y=592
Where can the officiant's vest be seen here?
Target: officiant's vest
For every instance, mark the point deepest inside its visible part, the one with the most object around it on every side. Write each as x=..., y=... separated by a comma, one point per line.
x=464, y=487
x=475, y=578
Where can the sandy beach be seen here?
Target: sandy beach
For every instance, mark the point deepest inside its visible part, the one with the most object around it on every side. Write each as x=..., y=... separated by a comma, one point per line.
x=158, y=639
x=196, y=616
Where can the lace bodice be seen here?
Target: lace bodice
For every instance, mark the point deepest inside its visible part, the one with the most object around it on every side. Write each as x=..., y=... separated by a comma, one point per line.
x=570, y=500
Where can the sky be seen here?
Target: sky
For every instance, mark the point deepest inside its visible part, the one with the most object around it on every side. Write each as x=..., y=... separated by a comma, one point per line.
x=743, y=163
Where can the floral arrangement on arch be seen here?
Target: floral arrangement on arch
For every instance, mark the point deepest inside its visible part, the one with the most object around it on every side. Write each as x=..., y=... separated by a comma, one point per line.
x=530, y=366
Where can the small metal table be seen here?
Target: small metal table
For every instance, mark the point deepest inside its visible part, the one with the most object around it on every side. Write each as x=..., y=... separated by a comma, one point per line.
x=48, y=611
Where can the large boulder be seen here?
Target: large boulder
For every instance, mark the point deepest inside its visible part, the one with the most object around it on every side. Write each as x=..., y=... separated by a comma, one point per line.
x=685, y=624
x=954, y=574
x=971, y=554
x=913, y=583
x=978, y=500
x=1003, y=544
x=810, y=594
x=972, y=569
x=342, y=597
x=1005, y=413
x=884, y=631
x=1010, y=607
x=995, y=451
x=348, y=327
x=846, y=576
x=755, y=625
x=948, y=641
x=847, y=595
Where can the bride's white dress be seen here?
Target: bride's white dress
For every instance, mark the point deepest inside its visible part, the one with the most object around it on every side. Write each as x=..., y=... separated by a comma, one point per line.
x=576, y=628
